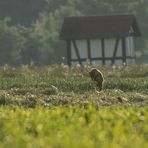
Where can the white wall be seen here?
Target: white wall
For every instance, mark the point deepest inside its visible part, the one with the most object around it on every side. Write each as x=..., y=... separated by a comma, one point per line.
x=96, y=51
x=109, y=50
x=82, y=48
x=130, y=50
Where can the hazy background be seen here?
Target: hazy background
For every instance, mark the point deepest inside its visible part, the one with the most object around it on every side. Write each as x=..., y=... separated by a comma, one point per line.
x=29, y=29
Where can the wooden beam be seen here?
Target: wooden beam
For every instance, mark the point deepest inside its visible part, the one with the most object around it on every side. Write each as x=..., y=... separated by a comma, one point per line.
x=89, y=50
x=103, y=51
x=68, y=52
x=76, y=50
x=115, y=51
x=100, y=59
x=123, y=50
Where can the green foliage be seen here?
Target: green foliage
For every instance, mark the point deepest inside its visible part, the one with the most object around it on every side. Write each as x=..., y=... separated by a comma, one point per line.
x=31, y=52
x=11, y=43
x=47, y=29
x=22, y=11
x=74, y=127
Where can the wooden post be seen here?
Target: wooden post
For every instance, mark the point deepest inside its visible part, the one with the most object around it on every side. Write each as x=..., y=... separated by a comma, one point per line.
x=77, y=52
x=115, y=51
x=103, y=51
x=123, y=50
x=68, y=52
x=89, y=50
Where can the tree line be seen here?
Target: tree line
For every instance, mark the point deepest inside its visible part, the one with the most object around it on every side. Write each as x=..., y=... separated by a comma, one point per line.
x=29, y=29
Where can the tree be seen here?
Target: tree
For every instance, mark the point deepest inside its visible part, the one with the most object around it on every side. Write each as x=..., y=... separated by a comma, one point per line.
x=30, y=53
x=47, y=29
x=22, y=12
x=11, y=43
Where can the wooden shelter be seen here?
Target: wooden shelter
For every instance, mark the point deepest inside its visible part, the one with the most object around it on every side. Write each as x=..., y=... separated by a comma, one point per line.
x=103, y=40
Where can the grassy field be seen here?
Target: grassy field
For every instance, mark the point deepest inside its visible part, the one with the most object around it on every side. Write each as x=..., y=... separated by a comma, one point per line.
x=57, y=106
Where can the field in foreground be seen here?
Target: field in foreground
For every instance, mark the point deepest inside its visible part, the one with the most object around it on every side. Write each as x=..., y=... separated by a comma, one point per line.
x=58, y=107
x=74, y=127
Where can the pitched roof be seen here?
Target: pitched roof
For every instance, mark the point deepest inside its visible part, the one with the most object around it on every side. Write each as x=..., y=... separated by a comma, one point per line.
x=99, y=27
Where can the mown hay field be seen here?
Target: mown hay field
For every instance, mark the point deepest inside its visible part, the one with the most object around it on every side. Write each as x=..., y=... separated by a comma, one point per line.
x=57, y=106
